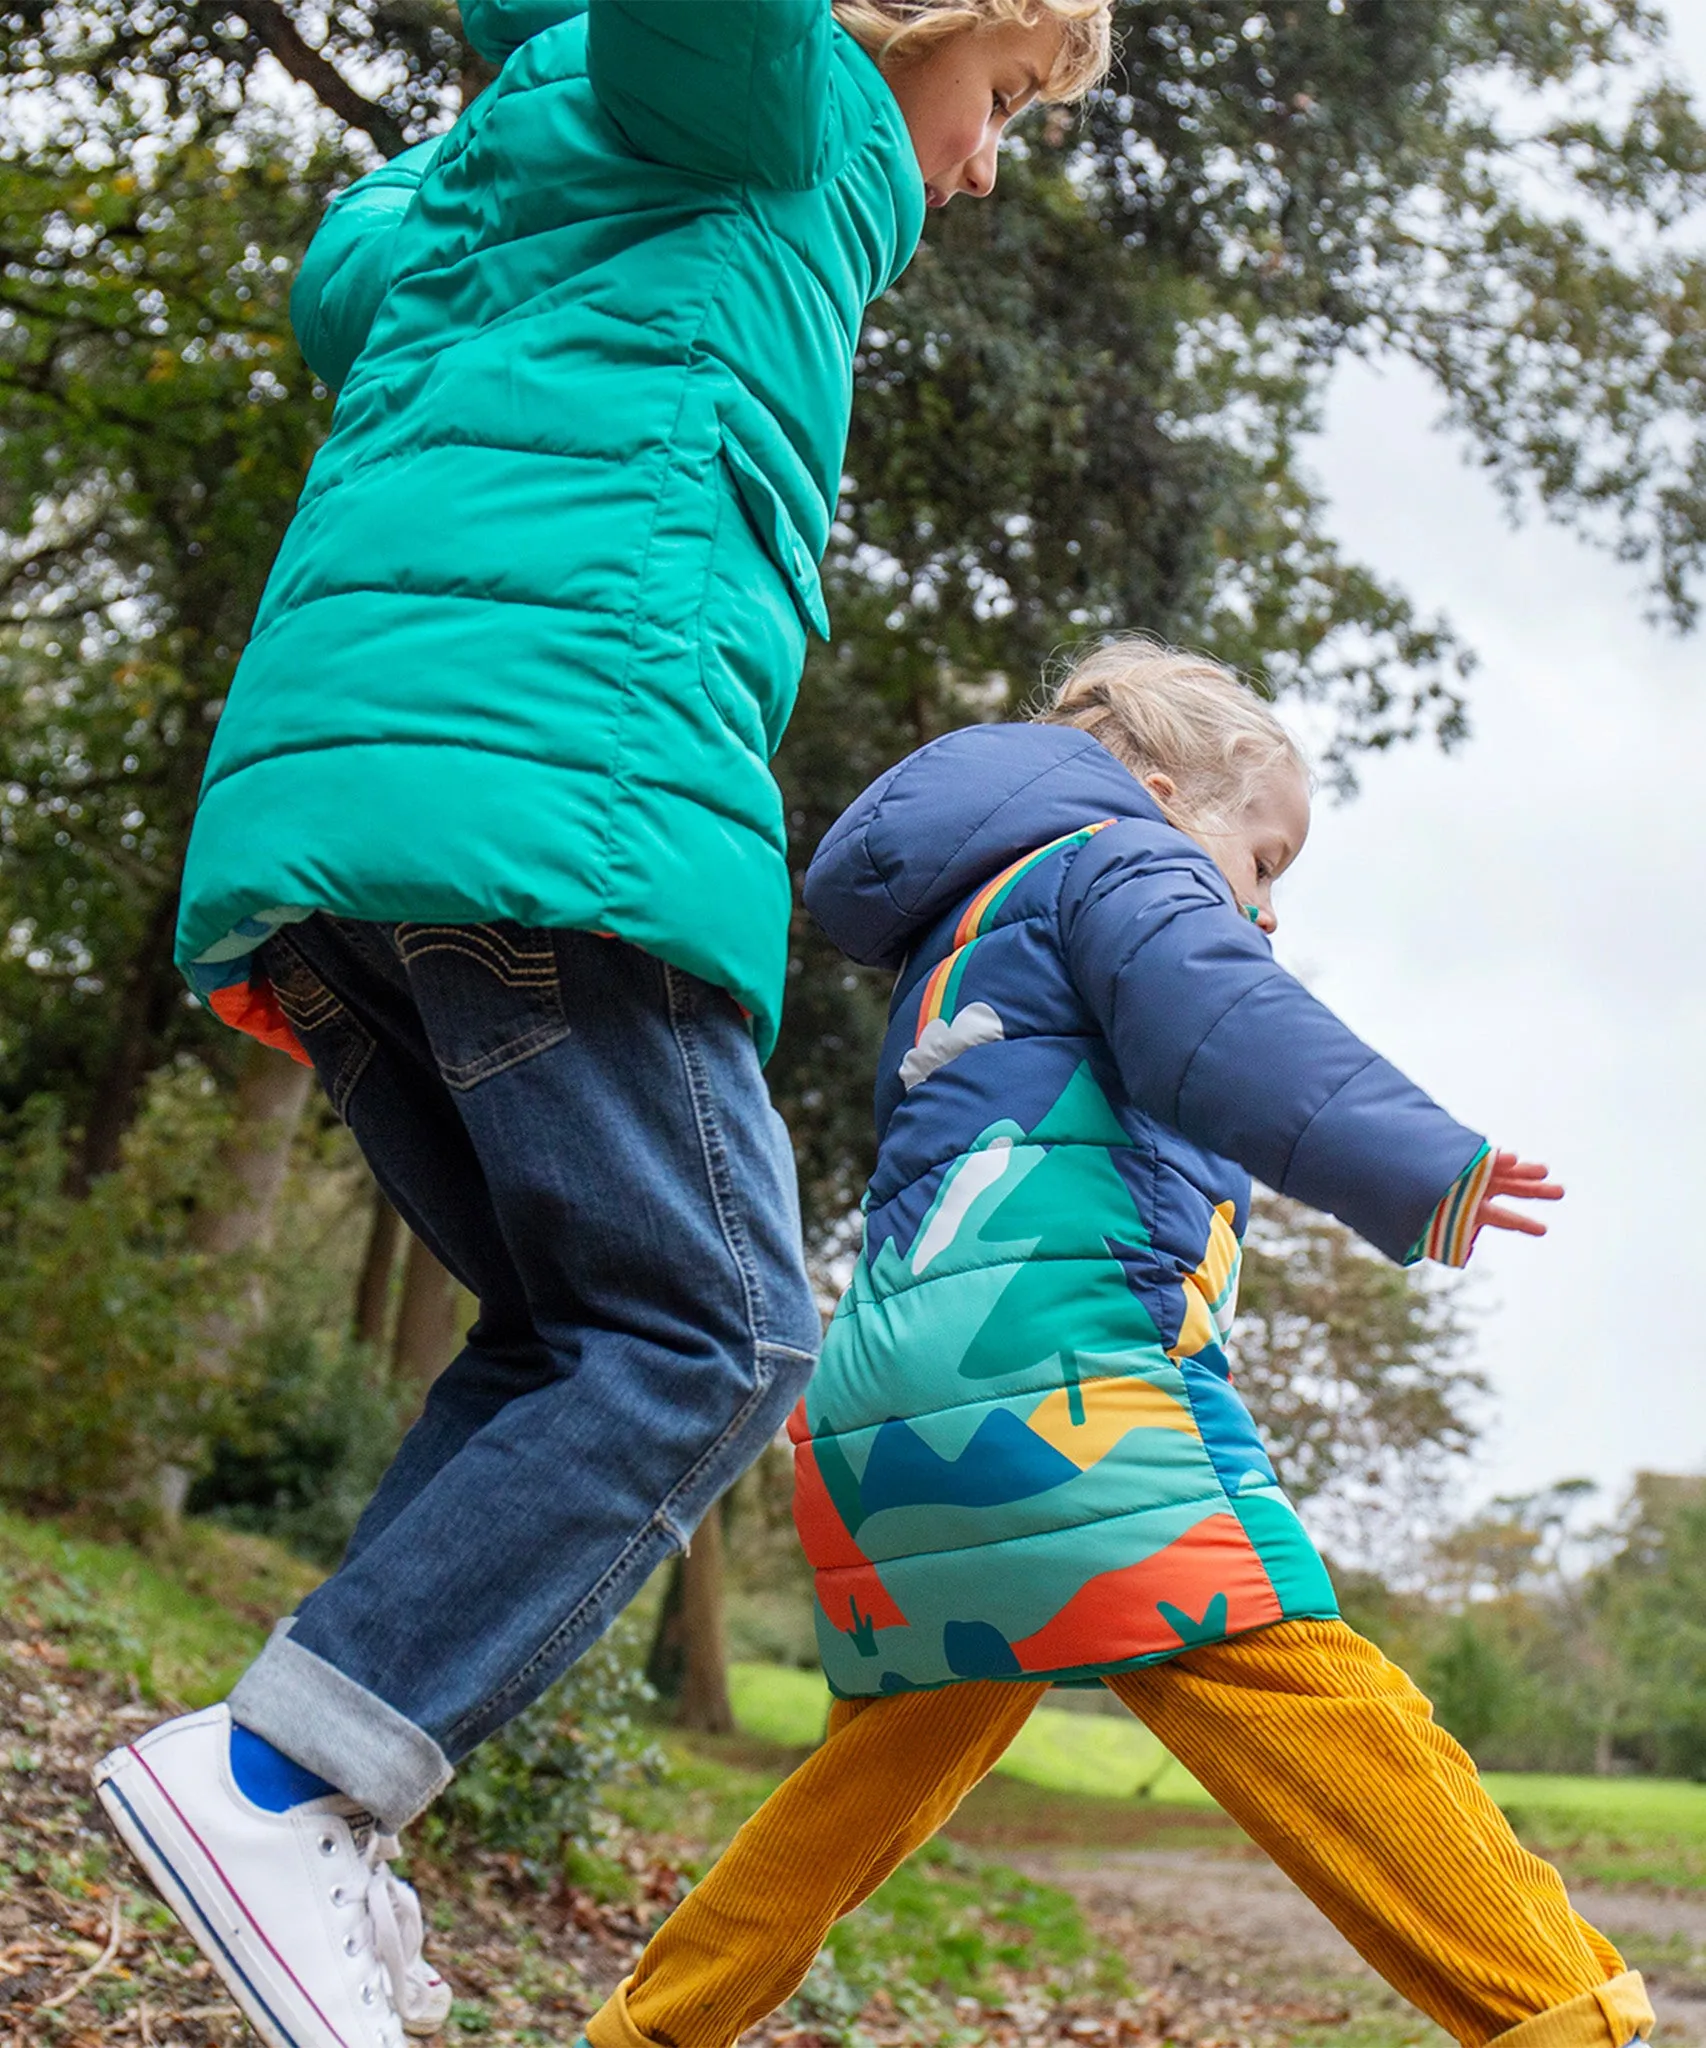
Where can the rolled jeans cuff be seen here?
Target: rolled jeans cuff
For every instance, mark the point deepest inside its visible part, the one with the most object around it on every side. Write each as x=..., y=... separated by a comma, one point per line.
x=1610, y=2016
x=349, y=1736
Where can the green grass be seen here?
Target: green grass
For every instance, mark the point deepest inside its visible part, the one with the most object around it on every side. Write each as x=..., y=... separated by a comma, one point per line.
x=1094, y=1755
x=954, y=1924
x=1616, y=1830
x=1641, y=1809
x=181, y=1619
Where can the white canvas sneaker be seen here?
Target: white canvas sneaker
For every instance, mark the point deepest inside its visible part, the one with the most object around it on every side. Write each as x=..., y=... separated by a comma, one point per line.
x=316, y=1939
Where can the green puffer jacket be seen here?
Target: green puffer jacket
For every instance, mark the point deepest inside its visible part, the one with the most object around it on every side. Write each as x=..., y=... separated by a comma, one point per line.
x=538, y=624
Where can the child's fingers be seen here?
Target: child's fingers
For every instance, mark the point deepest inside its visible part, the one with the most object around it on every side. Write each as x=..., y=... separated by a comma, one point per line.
x=1522, y=1177
x=1526, y=1190
x=1493, y=1218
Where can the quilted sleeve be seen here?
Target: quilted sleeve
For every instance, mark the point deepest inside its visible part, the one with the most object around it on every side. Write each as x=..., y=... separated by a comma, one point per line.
x=730, y=89
x=1213, y=1037
x=348, y=266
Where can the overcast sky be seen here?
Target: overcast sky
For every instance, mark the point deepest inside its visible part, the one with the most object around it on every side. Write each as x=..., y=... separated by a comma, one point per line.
x=1522, y=926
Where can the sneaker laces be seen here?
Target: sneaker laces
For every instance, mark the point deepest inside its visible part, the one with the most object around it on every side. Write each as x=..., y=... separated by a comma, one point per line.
x=420, y=1994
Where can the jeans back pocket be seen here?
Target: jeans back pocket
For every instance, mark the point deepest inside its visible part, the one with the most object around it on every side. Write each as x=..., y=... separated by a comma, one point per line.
x=338, y=1043
x=489, y=995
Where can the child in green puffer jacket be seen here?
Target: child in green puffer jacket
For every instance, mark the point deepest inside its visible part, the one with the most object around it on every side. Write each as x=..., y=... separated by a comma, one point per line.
x=489, y=835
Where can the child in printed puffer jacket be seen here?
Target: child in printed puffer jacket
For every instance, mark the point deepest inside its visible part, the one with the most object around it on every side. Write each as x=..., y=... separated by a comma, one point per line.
x=489, y=834
x=1022, y=1459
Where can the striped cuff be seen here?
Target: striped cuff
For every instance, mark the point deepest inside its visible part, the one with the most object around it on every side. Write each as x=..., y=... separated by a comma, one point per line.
x=1450, y=1234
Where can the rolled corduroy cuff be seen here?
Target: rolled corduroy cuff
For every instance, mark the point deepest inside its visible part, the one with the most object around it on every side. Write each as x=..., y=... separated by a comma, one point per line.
x=612, y=2027
x=1610, y=2016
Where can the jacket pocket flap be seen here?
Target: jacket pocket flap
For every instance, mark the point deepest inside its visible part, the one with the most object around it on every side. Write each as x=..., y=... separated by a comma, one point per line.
x=781, y=538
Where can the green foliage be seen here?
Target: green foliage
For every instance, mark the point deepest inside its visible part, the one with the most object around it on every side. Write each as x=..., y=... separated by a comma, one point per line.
x=1469, y=1682
x=181, y=1619
x=155, y=423
x=310, y=1441
x=1519, y=1577
x=1352, y=1369
x=200, y=60
x=1651, y=1596
x=105, y=1375
x=538, y=1789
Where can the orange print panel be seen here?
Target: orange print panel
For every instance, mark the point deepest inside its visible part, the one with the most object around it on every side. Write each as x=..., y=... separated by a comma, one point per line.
x=1117, y=1614
x=843, y=1570
x=855, y=1598
x=824, y=1536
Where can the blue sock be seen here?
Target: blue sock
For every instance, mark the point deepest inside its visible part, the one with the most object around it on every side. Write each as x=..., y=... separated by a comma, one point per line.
x=268, y=1777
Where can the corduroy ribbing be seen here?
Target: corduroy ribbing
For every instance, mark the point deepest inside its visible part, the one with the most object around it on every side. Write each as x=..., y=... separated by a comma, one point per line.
x=1322, y=1751
x=1328, y=1756
x=890, y=1772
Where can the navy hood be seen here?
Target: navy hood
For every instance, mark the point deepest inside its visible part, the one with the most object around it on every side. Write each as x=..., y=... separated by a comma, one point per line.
x=946, y=819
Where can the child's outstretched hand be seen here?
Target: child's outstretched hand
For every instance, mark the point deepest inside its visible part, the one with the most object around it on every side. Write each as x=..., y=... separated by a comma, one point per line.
x=1520, y=1180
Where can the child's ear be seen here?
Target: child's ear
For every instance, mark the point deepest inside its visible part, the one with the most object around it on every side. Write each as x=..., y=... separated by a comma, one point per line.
x=1162, y=787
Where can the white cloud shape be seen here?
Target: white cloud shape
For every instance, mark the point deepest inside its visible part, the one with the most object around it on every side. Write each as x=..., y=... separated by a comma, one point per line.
x=976, y=1024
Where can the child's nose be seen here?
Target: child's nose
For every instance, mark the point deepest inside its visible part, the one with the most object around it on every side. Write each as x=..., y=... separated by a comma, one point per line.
x=978, y=171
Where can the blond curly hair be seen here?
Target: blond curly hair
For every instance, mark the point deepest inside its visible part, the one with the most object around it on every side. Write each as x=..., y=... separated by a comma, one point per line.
x=886, y=27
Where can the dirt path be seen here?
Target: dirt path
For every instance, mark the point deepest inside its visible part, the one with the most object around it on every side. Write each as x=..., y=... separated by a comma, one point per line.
x=1231, y=1934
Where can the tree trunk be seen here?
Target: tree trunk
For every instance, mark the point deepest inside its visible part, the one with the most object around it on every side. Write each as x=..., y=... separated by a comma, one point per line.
x=378, y=1263
x=704, y=1701
x=236, y=1217
x=272, y=1092
x=151, y=989
x=425, y=1338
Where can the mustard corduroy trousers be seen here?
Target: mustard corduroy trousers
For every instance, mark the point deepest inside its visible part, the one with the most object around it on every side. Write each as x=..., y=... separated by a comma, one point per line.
x=1318, y=1747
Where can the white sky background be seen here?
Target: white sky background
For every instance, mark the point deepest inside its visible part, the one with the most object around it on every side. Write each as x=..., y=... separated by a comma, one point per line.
x=1522, y=927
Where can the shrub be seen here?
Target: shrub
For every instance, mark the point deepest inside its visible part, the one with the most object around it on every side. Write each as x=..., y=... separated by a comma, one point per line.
x=314, y=1435
x=106, y=1374
x=536, y=1789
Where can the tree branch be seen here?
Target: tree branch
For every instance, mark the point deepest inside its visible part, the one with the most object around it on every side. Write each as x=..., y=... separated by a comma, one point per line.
x=328, y=85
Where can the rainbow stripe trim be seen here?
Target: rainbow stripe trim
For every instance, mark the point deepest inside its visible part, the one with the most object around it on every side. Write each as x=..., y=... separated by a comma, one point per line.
x=942, y=987
x=1450, y=1235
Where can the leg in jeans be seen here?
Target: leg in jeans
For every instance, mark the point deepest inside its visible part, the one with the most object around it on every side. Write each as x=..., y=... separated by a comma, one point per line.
x=1329, y=1757
x=583, y=1136
x=889, y=1774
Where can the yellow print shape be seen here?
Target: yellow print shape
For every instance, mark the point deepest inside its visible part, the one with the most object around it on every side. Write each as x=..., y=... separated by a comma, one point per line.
x=1211, y=1292
x=1111, y=1410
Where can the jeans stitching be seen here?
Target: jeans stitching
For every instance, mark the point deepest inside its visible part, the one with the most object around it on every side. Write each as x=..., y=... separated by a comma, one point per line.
x=310, y=1013
x=512, y=965
x=789, y=1351
x=715, y=1155
x=465, y=1074
x=519, y=960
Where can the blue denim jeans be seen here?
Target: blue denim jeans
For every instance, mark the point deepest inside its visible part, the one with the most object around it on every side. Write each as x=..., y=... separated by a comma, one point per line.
x=583, y=1136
